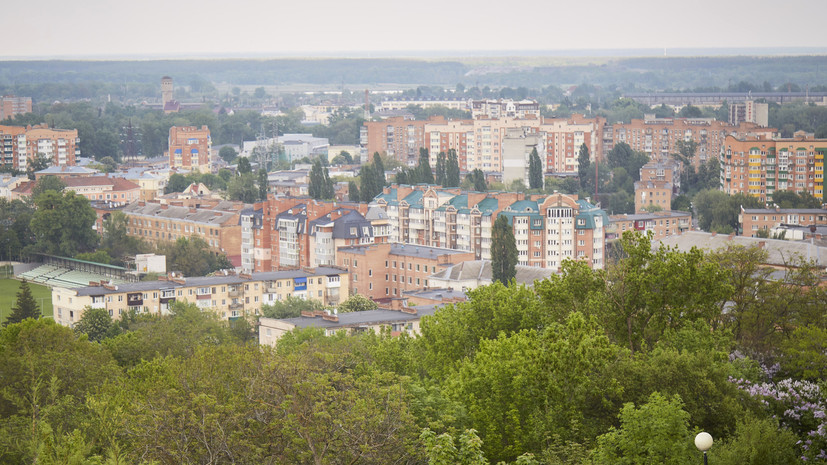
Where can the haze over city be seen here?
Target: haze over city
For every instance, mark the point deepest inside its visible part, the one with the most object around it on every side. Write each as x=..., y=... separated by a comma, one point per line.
x=185, y=28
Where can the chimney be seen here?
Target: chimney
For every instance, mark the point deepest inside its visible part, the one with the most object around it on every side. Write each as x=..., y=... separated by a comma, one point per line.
x=762, y=244
x=714, y=233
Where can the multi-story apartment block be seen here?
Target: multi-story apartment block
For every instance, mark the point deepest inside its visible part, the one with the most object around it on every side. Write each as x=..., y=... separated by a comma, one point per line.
x=517, y=147
x=61, y=146
x=13, y=146
x=229, y=296
x=749, y=112
x=662, y=223
x=11, y=106
x=403, y=103
x=649, y=194
x=397, y=137
x=19, y=144
x=288, y=232
x=659, y=137
x=760, y=166
x=664, y=171
x=478, y=142
x=752, y=220
x=218, y=226
x=548, y=229
x=385, y=271
x=504, y=108
x=189, y=148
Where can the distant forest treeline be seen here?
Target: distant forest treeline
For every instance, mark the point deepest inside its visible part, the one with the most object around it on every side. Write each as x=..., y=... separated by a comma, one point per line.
x=85, y=79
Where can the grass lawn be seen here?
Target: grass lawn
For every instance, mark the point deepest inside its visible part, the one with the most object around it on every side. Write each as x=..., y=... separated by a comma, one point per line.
x=8, y=297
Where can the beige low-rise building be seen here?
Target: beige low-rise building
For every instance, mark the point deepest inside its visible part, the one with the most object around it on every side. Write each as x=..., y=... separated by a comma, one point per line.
x=405, y=320
x=229, y=296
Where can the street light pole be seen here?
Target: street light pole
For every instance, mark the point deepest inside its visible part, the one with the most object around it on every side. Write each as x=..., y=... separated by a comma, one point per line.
x=703, y=441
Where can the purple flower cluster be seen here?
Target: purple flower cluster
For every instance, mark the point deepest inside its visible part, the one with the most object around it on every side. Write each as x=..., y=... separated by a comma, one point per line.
x=801, y=407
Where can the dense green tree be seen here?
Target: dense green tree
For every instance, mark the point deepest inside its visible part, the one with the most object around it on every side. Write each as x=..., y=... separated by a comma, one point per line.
x=690, y=111
x=177, y=183
x=655, y=432
x=290, y=307
x=109, y=164
x=789, y=199
x=47, y=183
x=423, y=169
x=243, y=188
x=24, y=307
x=682, y=203
x=452, y=169
x=757, y=441
x=584, y=168
x=47, y=374
x=38, y=163
x=357, y=303
x=440, y=169
x=62, y=224
x=192, y=257
x=116, y=239
x=352, y=191
x=320, y=186
x=651, y=291
x=95, y=323
x=535, y=170
x=244, y=166
x=478, y=182
x=227, y=153
x=503, y=251
x=15, y=234
x=718, y=211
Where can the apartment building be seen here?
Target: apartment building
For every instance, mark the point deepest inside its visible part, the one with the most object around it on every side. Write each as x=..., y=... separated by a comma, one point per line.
x=19, y=144
x=478, y=142
x=504, y=108
x=229, y=296
x=291, y=232
x=11, y=106
x=517, y=147
x=659, y=137
x=383, y=272
x=760, y=166
x=661, y=224
x=398, y=137
x=653, y=194
x=189, y=148
x=663, y=170
x=548, y=229
x=752, y=220
x=217, y=225
x=749, y=111
x=403, y=103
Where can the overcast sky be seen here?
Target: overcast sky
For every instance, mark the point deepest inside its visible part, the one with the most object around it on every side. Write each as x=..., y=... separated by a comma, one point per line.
x=58, y=28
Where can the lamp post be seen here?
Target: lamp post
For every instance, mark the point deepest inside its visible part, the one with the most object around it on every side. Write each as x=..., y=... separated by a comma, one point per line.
x=703, y=441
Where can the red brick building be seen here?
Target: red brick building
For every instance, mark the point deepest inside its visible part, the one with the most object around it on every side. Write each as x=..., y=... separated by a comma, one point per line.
x=385, y=271
x=753, y=220
x=189, y=148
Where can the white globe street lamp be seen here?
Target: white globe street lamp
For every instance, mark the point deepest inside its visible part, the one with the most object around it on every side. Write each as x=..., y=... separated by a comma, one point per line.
x=703, y=441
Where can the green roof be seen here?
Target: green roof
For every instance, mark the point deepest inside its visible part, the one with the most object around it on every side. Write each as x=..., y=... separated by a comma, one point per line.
x=414, y=197
x=488, y=204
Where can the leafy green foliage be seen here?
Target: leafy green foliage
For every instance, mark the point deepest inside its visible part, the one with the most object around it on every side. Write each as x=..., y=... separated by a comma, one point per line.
x=96, y=324
x=535, y=170
x=357, y=303
x=62, y=224
x=24, y=307
x=290, y=307
x=47, y=183
x=320, y=186
x=642, y=440
x=192, y=257
x=503, y=251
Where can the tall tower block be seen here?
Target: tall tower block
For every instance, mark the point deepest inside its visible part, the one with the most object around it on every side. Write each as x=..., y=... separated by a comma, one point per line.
x=166, y=89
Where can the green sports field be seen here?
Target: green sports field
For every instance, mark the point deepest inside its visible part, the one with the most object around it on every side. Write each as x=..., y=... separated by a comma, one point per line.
x=8, y=296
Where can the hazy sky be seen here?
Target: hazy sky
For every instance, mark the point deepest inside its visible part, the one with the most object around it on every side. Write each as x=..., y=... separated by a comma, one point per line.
x=55, y=28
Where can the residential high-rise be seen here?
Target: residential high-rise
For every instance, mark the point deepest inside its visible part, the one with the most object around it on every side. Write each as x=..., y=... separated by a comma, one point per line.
x=761, y=166
x=11, y=106
x=189, y=148
x=20, y=144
